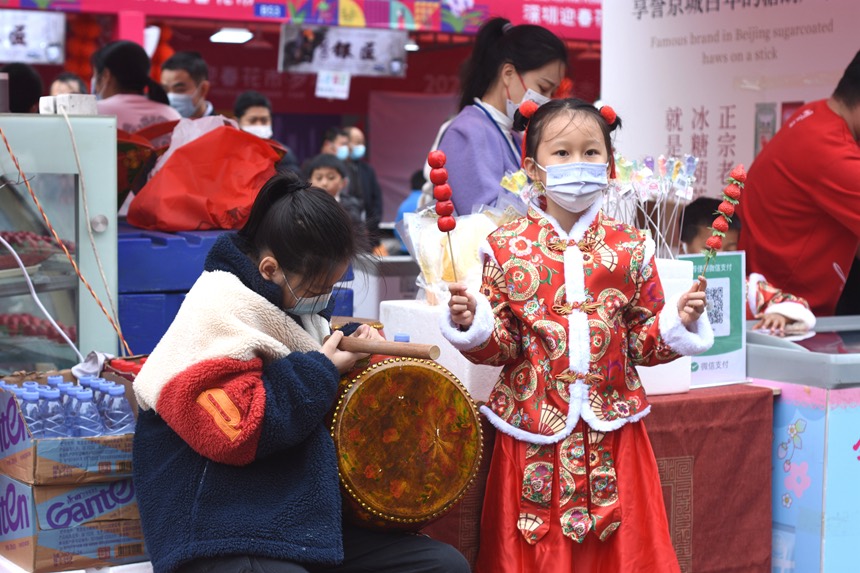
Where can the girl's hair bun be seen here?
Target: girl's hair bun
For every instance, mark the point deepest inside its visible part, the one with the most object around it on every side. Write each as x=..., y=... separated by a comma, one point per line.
x=609, y=116
x=523, y=114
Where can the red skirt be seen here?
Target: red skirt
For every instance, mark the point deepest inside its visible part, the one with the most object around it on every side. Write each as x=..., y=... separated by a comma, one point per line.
x=642, y=543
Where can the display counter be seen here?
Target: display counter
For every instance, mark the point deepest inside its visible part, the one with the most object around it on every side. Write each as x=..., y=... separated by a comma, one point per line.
x=816, y=444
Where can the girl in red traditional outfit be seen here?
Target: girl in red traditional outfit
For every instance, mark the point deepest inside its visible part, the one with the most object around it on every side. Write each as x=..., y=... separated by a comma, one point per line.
x=570, y=303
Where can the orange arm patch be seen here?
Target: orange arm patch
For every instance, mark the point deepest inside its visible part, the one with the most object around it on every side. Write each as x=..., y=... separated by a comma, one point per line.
x=224, y=412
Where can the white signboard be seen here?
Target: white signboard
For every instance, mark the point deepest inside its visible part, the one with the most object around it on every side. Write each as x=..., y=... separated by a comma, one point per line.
x=357, y=51
x=332, y=85
x=717, y=78
x=32, y=37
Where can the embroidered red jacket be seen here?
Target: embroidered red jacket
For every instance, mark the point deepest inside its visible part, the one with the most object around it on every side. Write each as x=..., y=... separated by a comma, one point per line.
x=569, y=316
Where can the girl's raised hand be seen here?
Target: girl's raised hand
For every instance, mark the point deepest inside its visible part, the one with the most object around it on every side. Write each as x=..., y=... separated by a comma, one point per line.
x=344, y=361
x=462, y=306
x=692, y=303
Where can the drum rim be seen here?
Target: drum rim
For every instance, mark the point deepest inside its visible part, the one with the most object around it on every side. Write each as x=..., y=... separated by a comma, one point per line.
x=476, y=464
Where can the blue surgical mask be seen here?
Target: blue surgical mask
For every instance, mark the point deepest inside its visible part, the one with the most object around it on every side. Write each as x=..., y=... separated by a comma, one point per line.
x=342, y=152
x=575, y=186
x=357, y=152
x=183, y=103
x=307, y=305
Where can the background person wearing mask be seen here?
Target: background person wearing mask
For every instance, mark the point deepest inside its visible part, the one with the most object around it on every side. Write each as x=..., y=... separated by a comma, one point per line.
x=253, y=113
x=364, y=184
x=508, y=64
x=68, y=83
x=801, y=205
x=25, y=88
x=185, y=78
x=336, y=142
x=123, y=87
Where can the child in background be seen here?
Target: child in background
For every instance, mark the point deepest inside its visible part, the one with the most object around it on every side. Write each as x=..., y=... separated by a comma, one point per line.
x=775, y=310
x=331, y=175
x=570, y=303
x=234, y=466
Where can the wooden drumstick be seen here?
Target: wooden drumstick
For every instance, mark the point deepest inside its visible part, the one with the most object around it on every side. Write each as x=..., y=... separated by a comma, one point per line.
x=404, y=349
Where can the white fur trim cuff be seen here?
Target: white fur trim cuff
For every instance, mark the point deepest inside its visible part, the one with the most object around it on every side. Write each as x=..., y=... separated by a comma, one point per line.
x=685, y=342
x=793, y=311
x=478, y=333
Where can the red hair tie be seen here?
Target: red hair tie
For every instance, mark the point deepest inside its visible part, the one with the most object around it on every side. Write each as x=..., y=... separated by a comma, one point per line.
x=608, y=114
x=527, y=110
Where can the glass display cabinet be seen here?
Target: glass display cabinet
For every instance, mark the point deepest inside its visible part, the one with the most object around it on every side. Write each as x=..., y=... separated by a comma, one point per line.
x=72, y=198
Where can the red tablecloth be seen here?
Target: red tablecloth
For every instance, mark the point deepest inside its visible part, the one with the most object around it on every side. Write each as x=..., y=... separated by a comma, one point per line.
x=713, y=449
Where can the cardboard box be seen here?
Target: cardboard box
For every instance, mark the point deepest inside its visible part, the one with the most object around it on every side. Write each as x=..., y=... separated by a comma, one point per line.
x=59, y=460
x=60, y=528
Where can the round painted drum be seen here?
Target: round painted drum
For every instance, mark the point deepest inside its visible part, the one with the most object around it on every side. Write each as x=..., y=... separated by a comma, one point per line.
x=409, y=442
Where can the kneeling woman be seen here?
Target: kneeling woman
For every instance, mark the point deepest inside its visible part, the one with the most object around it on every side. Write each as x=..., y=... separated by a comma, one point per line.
x=234, y=468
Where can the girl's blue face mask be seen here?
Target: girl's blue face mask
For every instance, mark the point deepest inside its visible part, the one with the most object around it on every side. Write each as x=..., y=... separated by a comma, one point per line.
x=575, y=186
x=307, y=305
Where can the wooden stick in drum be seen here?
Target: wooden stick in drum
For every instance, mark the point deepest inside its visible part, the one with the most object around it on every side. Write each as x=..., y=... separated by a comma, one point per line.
x=404, y=349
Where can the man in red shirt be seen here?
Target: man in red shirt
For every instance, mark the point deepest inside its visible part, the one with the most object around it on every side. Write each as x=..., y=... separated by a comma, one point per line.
x=801, y=205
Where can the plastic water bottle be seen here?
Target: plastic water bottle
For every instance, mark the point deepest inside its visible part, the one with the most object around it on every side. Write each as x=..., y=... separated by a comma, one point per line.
x=118, y=417
x=30, y=385
x=54, y=381
x=85, y=418
x=401, y=337
x=102, y=397
x=96, y=387
x=86, y=381
x=30, y=409
x=53, y=416
x=67, y=393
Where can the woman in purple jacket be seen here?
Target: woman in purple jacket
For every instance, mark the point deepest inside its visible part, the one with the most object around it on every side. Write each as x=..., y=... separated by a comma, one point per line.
x=508, y=65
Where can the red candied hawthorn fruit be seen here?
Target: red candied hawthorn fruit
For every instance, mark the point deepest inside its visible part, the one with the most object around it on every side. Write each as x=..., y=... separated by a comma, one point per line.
x=436, y=159
x=446, y=224
x=442, y=192
x=444, y=208
x=439, y=176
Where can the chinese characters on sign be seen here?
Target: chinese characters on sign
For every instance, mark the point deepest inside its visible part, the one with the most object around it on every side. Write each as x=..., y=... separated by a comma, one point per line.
x=577, y=14
x=722, y=155
x=357, y=51
x=674, y=8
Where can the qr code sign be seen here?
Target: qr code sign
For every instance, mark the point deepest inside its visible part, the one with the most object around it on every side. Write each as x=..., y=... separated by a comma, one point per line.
x=719, y=305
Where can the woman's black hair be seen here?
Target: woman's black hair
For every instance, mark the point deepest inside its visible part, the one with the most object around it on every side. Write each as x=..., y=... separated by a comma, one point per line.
x=129, y=65
x=307, y=231
x=545, y=113
x=526, y=47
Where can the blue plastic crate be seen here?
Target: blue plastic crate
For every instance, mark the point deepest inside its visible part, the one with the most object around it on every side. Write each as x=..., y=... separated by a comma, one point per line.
x=343, y=301
x=152, y=261
x=145, y=317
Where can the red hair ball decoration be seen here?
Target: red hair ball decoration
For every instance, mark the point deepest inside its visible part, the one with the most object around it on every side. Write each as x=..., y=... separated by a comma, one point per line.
x=608, y=114
x=528, y=108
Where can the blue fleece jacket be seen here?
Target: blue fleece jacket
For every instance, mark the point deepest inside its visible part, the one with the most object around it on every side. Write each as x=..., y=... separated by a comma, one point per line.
x=285, y=502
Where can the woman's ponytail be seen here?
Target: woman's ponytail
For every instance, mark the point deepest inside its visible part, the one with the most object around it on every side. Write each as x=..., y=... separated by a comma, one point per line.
x=155, y=92
x=482, y=67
